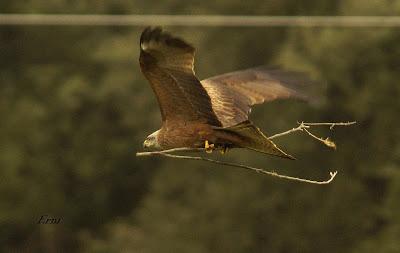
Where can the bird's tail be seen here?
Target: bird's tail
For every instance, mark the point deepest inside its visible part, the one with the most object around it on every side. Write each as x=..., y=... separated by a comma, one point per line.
x=252, y=138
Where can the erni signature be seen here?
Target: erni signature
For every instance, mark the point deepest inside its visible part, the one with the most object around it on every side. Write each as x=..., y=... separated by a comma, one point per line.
x=46, y=219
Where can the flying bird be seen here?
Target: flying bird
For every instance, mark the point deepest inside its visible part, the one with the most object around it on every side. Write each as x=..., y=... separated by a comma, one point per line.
x=213, y=113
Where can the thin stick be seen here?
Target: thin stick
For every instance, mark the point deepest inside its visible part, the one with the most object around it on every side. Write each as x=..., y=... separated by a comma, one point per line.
x=326, y=141
x=165, y=153
x=303, y=126
x=299, y=128
x=331, y=124
x=172, y=150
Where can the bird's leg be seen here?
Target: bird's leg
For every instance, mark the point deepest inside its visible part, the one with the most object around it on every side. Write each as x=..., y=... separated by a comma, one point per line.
x=208, y=147
x=223, y=150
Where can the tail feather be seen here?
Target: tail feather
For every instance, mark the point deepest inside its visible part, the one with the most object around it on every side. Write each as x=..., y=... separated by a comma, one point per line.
x=252, y=138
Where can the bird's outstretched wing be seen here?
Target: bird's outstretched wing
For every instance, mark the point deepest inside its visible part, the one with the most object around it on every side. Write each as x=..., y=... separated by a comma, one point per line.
x=167, y=63
x=233, y=94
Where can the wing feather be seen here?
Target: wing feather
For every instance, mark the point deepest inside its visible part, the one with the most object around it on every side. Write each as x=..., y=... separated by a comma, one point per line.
x=167, y=63
x=233, y=94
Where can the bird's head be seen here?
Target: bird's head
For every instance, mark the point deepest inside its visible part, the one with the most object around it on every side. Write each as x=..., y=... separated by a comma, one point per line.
x=151, y=141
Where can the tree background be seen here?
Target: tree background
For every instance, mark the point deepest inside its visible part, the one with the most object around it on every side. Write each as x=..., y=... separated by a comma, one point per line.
x=75, y=109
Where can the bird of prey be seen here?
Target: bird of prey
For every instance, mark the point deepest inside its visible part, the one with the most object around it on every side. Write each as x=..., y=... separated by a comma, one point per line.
x=213, y=113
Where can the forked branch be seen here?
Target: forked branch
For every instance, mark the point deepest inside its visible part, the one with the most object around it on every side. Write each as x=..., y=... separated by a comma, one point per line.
x=165, y=153
x=302, y=127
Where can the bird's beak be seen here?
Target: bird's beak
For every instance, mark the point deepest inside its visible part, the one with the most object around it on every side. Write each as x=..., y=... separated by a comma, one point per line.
x=145, y=144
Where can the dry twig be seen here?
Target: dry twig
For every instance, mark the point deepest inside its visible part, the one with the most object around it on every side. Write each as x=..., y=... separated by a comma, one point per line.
x=302, y=127
x=165, y=153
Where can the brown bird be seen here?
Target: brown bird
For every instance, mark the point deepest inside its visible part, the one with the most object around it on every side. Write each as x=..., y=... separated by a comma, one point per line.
x=212, y=113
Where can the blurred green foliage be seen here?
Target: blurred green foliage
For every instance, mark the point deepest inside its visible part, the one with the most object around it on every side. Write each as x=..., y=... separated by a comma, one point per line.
x=75, y=108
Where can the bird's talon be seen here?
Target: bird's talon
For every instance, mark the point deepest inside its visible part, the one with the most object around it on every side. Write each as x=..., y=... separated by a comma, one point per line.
x=208, y=147
x=224, y=150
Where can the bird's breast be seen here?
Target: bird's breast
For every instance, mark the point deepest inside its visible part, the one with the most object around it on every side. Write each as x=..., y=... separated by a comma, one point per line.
x=188, y=134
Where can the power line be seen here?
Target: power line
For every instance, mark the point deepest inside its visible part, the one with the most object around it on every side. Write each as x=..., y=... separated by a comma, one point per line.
x=199, y=20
